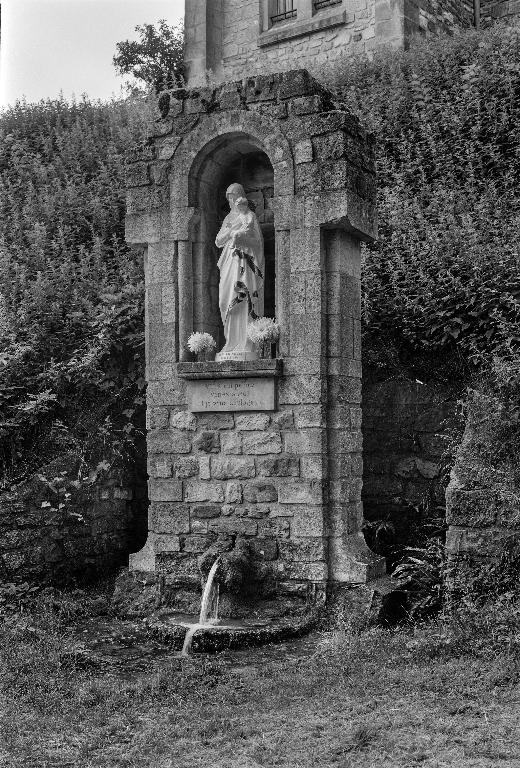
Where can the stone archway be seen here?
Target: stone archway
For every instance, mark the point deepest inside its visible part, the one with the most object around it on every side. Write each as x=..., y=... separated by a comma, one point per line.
x=207, y=152
x=232, y=157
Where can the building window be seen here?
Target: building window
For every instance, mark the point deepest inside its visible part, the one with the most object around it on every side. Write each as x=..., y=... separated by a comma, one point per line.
x=319, y=4
x=283, y=11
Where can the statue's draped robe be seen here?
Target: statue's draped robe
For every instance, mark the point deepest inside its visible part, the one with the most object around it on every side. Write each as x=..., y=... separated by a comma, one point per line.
x=248, y=238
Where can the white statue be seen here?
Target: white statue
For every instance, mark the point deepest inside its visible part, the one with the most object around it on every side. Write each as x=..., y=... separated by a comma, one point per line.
x=241, y=264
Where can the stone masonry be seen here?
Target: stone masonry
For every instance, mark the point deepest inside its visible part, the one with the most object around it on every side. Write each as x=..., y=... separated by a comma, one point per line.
x=435, y=17
x=482, y=504
x=256, y=475
x=499, y=10
x=226, y=39
x=49, y=535
x=288, y=480
x=408, y=431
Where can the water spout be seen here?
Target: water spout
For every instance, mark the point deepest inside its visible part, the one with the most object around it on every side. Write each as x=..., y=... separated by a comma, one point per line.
x=208, y=608
x=210, y=597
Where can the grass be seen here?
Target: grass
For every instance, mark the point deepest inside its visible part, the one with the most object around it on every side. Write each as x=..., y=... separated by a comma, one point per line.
x=445, y=694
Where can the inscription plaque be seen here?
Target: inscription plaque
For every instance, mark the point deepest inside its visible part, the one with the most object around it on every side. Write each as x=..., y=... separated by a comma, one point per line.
x=247, y=394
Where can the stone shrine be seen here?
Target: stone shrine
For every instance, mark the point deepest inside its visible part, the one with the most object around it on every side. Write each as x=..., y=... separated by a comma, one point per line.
x=265, y=450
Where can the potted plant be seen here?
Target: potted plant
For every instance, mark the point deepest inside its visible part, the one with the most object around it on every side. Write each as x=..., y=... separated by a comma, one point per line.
x=264, y=332
x=202, y=345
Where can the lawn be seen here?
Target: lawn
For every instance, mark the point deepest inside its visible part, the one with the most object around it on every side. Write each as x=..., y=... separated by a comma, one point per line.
x=443, y=694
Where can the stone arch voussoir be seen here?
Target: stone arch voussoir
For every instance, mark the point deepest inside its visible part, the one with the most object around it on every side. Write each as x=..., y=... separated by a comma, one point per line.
x=197, y=145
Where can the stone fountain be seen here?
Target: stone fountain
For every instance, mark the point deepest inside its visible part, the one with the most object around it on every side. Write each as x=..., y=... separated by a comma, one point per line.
x=249, y=452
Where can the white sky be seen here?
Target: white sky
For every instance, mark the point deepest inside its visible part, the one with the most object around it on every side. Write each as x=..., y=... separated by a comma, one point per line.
x=48, y=46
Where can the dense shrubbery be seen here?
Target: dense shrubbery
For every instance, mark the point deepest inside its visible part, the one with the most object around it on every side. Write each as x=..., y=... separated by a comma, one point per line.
x=442, y=284
x=444, y=278
x=71, y=291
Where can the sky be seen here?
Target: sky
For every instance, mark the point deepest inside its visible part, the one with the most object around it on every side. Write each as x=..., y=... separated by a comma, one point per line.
x=48, y=46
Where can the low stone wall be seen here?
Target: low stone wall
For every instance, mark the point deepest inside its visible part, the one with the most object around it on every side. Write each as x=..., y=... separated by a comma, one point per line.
x=483, y=503
x=407, y=426
x=45, y=535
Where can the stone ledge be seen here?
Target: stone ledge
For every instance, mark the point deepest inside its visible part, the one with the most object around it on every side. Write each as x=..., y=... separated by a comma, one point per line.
x=231, y=369
x=300, y=28
x=172, y=631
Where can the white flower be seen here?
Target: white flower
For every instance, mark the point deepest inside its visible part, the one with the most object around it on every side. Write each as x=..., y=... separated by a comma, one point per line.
x=200, y=342
x=263, y=330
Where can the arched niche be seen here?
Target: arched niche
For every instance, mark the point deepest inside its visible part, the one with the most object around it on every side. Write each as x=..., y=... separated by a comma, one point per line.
x=232, y=157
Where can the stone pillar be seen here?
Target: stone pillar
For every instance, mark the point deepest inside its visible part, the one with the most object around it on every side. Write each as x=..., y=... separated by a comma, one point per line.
x=350, y=559
x=203, y=47
x=389, y=22
x=282, y=240
x=185, y=283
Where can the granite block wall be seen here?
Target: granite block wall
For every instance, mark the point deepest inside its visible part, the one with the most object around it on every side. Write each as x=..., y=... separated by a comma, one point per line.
x=245, y=42
x=435, y=17
x=218, y=476
x=45, y=536
x=243, y=51
x=483, y=509
x=499, y=10
x=408, y=428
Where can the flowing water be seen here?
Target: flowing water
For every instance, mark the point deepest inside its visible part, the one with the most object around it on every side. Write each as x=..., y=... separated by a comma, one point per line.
x=208, y=608
x=210, y=597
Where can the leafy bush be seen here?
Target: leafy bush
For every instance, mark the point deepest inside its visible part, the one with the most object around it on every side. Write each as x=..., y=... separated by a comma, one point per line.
x=17, y=598
x=493, y=408
x=71, y=291
x=420, y=574
x=479, y=628
x=442, y=282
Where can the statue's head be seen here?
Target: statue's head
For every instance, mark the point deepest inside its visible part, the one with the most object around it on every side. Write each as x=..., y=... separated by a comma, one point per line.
x=233, y=193
x=241, y=204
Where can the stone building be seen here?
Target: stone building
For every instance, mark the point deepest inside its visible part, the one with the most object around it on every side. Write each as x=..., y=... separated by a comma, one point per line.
x=232, y=39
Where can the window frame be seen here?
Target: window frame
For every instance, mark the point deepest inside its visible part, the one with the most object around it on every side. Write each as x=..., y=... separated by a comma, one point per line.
x=284, y=16
x=303, y=23
x=323, y=5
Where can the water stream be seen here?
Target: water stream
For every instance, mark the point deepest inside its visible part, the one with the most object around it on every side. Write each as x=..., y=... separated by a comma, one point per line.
x=208, y=608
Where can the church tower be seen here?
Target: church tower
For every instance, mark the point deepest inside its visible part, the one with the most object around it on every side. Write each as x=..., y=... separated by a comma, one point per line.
x=234, y=39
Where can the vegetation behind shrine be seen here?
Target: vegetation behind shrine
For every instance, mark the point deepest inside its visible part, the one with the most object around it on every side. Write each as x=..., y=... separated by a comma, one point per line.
x=71, y=296
x=442, y=284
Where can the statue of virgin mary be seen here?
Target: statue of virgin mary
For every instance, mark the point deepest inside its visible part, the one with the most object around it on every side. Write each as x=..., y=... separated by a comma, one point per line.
x=241, y=265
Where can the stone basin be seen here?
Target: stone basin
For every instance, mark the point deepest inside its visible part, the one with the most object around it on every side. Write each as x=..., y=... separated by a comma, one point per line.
x=171, y=628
